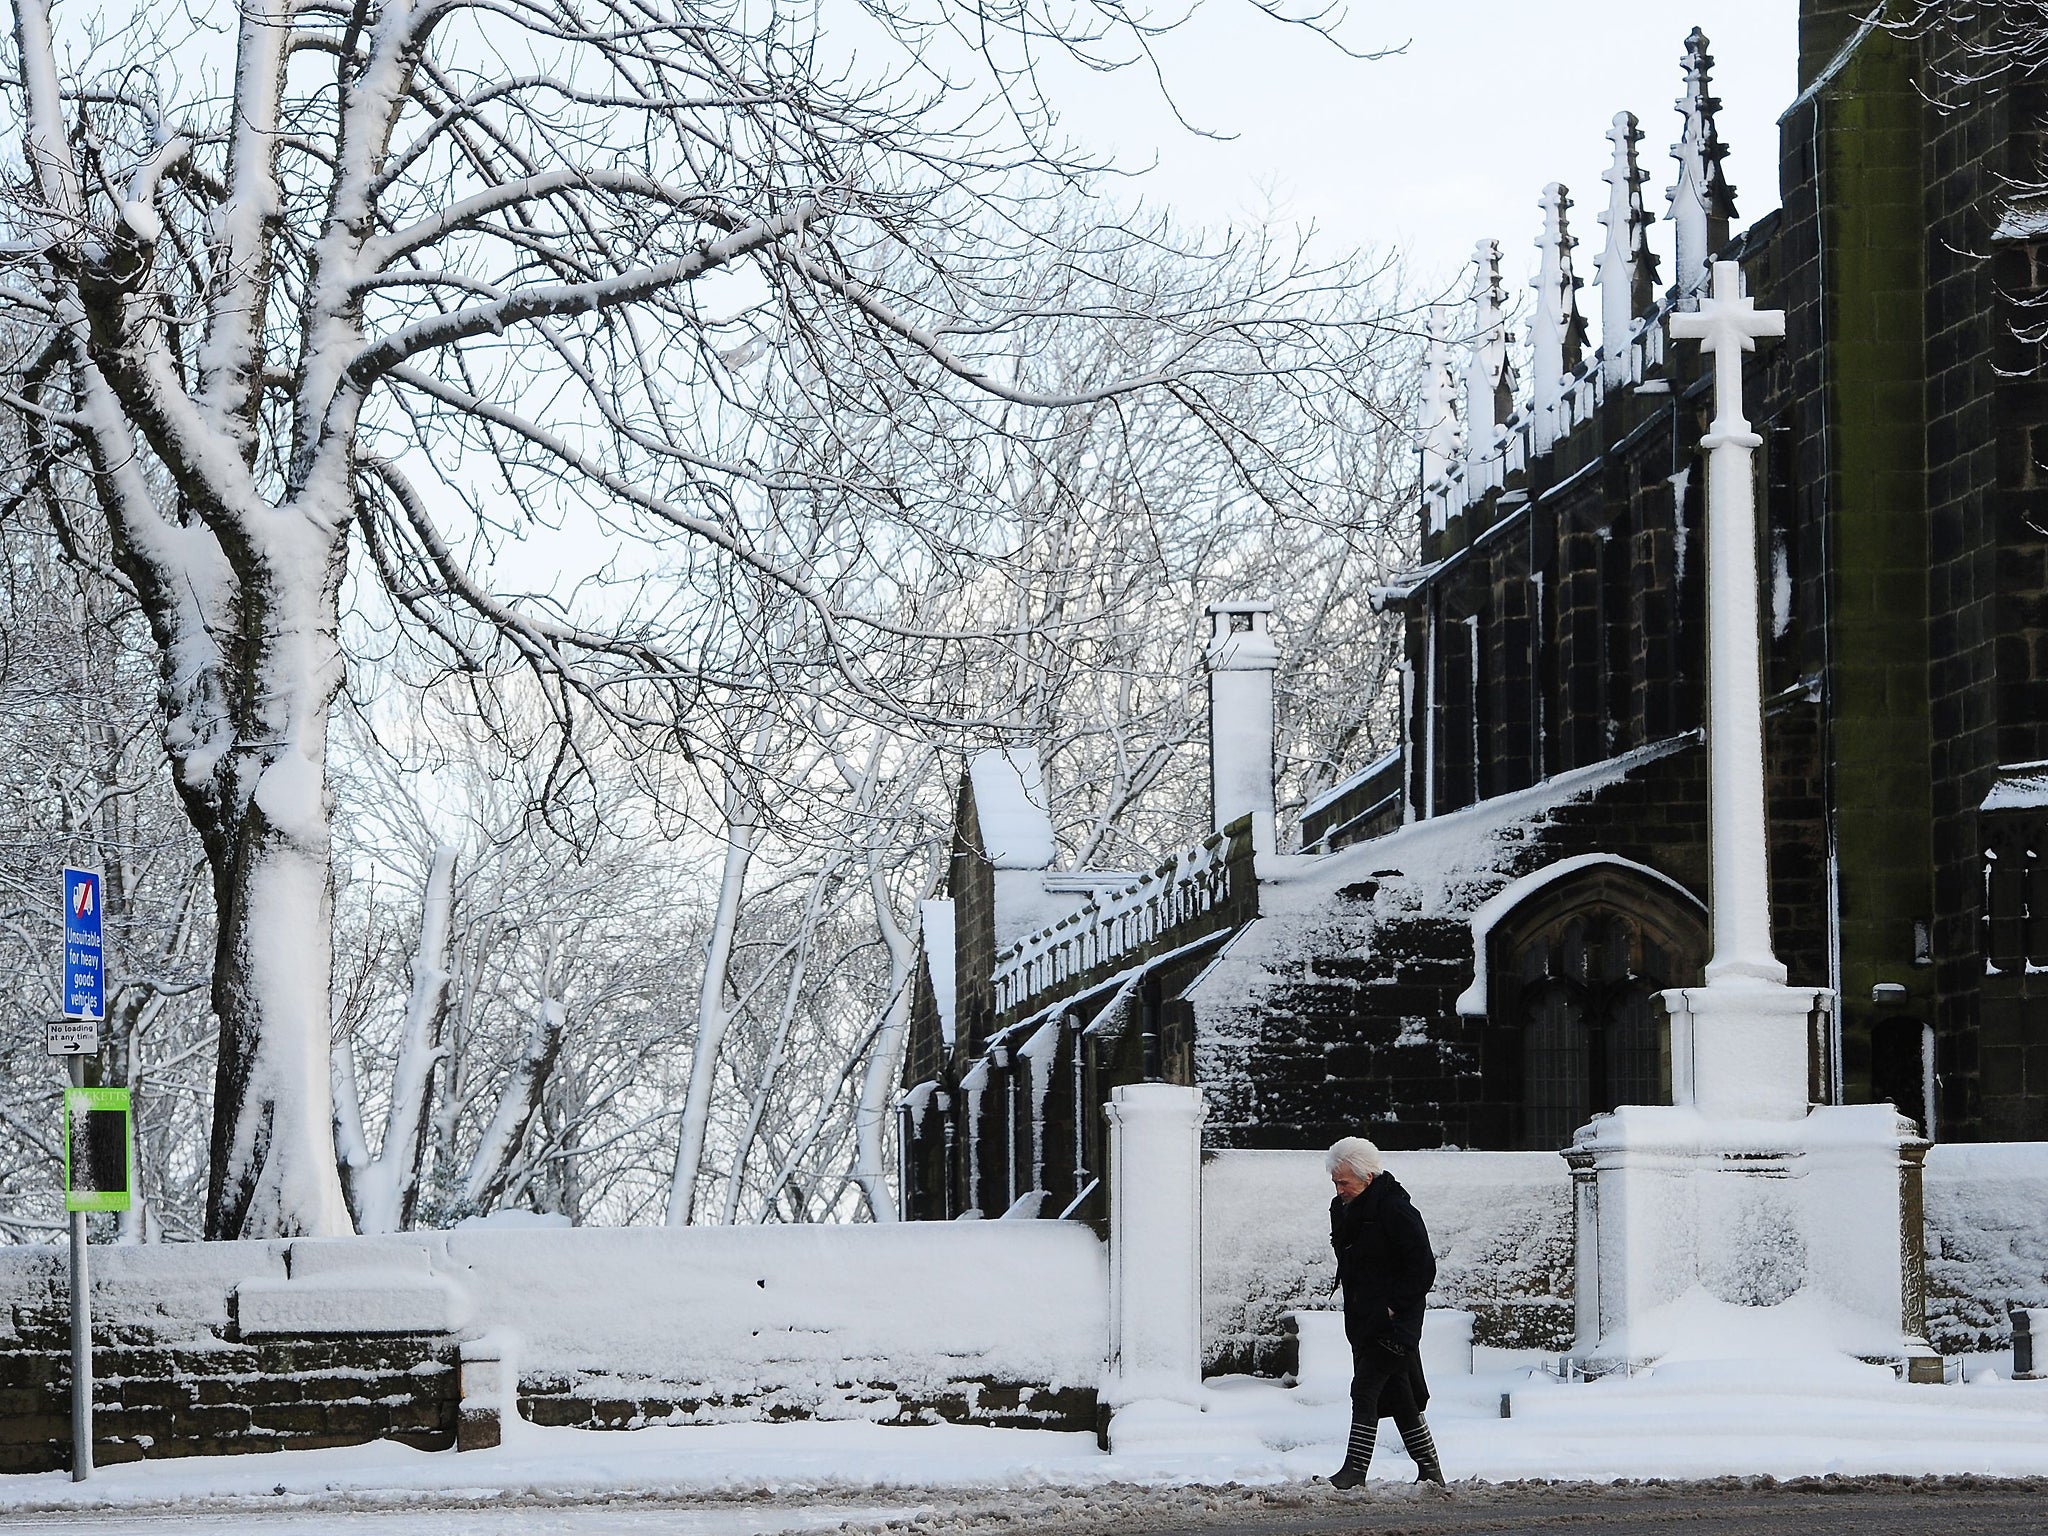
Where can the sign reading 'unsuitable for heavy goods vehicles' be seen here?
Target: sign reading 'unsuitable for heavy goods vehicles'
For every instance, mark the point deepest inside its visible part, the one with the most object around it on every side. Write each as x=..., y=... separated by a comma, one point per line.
x=85, y=971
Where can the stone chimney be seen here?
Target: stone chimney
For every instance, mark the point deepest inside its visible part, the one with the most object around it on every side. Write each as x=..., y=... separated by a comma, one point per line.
x=1241, y=658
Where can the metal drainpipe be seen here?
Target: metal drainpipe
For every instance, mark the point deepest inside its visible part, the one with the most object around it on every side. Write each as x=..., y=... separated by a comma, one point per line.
x=949, y=1127
x=1080, y=1107
x=1833, y=898
x=1003, y=1059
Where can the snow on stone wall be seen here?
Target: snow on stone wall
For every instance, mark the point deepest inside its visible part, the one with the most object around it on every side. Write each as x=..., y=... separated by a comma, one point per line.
x=176, y=1292
x=1987, y=1240
x=1500, y=1223
x=749, y=1321
x=750, y=1311
x=1373, y=904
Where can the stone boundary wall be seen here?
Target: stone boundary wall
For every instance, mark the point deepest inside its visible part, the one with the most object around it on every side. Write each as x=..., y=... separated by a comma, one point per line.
x=1987, y=1240
x=153, y=1398
x=214, y=1348
x=1501, y=1223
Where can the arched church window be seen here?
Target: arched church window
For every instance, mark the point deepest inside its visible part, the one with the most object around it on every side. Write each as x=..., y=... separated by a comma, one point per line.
x=1637, y=1065
x=1555, y=1062
x=1575, y=1025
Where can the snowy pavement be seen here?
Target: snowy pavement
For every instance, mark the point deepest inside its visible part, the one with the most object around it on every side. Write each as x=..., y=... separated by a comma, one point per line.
x=1795, y=1418
x=503, y=1517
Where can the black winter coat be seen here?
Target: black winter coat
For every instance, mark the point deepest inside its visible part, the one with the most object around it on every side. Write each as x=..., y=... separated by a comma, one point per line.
x=1384, y=1263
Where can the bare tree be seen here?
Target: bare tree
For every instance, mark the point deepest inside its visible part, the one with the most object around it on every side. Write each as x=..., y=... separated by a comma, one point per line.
x=510, y=1032
x=1117, y=521
x=81, y=782
x=377, y=295
x=383, y=1190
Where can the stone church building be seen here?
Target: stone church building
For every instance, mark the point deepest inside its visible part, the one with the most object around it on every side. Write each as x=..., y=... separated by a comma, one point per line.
x=1469, y=948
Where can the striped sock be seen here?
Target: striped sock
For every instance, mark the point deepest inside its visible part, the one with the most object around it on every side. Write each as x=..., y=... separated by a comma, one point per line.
x=1422, y=1447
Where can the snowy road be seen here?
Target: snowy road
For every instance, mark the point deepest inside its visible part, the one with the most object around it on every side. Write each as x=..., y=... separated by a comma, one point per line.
x=1243, y=1462
x=1724, y=1507
x=626, y=1518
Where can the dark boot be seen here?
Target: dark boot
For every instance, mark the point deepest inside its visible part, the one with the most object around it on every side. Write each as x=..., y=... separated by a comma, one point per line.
x=1422, y=1446
x=1357, y=1454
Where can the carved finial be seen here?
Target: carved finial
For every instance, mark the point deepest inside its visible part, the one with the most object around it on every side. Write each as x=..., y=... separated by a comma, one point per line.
x=1557, y=336
x=1443, y=443
x=1627, y=269
x=1702, y=202
x=1489, y=380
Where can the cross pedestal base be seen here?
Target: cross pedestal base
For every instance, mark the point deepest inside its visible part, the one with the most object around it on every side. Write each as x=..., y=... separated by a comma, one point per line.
x=1741, y=1051
x=1738, y=1239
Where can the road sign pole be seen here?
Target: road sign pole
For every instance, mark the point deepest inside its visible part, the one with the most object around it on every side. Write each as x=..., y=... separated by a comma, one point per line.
x=77, y=1035
x=81, y=1333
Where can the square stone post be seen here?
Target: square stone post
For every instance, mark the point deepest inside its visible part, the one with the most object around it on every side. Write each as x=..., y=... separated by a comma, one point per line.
x=489, y=1383
x=1155, y=1246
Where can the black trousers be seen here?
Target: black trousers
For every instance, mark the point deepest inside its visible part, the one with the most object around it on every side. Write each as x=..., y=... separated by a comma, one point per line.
x=1381, y=1388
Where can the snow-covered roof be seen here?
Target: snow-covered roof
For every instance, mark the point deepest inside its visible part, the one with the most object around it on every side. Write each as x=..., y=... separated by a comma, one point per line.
x=1011, y=803
x=2026, y=219
x=1344, y=786
x=937, y=917
x=2018, y=787
x=1446, y=867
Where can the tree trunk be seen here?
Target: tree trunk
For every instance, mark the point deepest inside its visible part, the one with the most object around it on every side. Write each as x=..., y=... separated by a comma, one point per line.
x=714, y=1005
x=878, y=1084
x=273, y=1167
x=385, y=1191
x=274, y=1171
x=492, y=1167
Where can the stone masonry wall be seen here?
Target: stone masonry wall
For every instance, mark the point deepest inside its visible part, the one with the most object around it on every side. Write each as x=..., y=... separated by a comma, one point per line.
x=168, y=1384
x=214, y=1348
x=1500, y=1224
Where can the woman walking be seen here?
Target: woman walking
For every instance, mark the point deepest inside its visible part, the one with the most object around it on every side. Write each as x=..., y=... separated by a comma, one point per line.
x=1386, y=1268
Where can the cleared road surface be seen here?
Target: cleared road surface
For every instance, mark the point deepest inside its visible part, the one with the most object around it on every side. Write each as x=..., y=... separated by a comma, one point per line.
x=1726, y=1507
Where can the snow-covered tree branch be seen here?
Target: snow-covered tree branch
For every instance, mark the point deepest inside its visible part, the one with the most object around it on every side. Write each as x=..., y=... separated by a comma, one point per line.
x=429, y=278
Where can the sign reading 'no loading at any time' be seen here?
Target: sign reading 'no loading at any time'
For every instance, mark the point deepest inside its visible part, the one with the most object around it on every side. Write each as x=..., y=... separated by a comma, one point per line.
x=85, y=971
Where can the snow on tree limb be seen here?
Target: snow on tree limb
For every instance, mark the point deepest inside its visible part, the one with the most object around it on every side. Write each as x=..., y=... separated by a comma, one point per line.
x=381, y=309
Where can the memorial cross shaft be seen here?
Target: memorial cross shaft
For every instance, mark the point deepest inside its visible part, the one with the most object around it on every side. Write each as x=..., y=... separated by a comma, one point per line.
x=1727, y=324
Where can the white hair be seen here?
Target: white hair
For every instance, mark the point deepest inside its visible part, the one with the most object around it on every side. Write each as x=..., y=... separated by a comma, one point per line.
x=1355, y=1153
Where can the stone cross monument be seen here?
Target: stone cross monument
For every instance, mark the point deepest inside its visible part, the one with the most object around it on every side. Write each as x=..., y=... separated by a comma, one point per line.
x=1739, y=1044
x=1742, y=1214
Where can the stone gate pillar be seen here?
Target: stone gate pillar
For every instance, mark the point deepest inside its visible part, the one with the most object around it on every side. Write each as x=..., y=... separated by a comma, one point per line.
x=1155, y=1245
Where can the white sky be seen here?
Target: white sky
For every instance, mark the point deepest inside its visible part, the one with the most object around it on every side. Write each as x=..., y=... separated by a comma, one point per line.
x=1451, y=141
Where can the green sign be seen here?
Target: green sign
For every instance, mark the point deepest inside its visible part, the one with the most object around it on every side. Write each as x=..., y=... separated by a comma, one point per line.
x=99, y=1150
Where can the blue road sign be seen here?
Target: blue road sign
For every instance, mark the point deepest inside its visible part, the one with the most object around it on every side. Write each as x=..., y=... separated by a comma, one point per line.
x=85, y=967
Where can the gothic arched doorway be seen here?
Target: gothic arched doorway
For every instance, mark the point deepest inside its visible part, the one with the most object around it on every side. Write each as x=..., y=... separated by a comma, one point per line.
x=1573, y=1024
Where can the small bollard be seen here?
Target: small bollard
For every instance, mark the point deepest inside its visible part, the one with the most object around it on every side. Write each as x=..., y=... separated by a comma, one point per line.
x=487, y=1385
x=2025, y=1364
x=1926, y=1370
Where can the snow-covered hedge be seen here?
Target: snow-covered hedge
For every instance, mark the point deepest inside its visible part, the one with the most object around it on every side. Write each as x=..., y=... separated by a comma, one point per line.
x=1502, y=1228
x=1500, y=1222
x=1987, y=1240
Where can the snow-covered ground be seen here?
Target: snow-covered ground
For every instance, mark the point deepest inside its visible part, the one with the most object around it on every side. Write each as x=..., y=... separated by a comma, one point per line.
x=1803, y=1417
